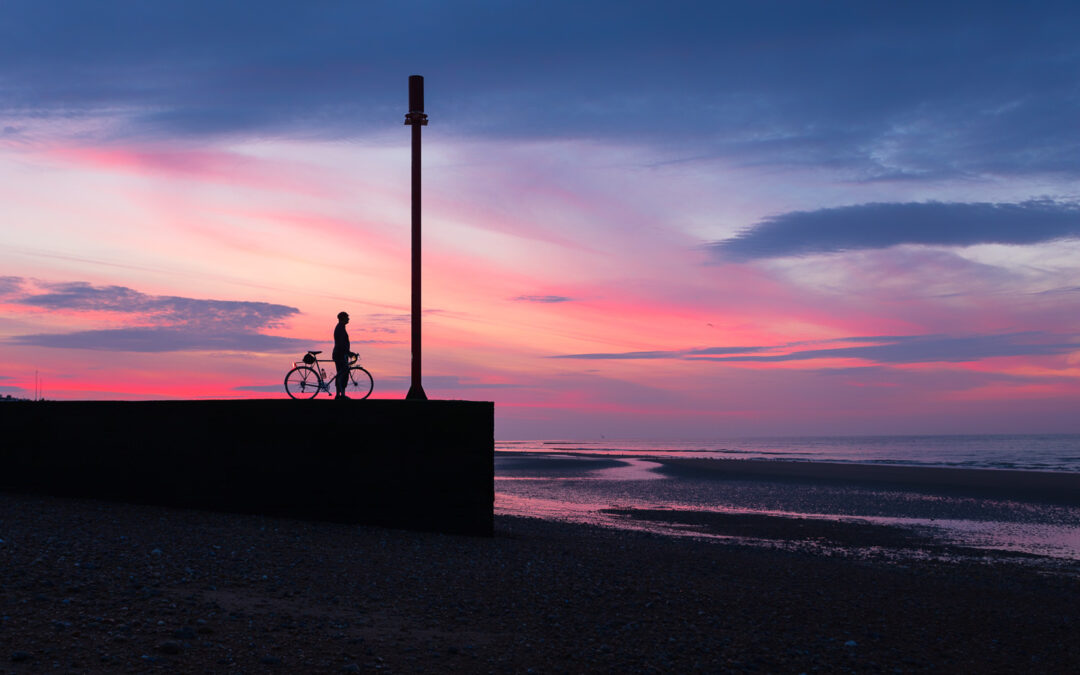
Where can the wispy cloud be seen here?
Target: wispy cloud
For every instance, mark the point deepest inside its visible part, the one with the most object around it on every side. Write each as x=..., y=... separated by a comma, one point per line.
x=395, y=382
x=881, y=225
x=672, y=354
x=620, y=356
x=159, y=310
x=162, y=323
x=542, y=298
x=10, y=286
x=163, y=340
x=1058, y=291
x=444, y=382
x=891, y=350
x=272, y=388
x=15, y=392
x=930, y=348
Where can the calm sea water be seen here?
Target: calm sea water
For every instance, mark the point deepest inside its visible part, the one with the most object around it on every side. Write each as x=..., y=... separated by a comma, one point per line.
x=575, y=481
x=1027, y=452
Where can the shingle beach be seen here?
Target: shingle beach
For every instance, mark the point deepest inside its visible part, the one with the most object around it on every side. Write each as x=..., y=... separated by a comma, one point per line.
x=91, y=586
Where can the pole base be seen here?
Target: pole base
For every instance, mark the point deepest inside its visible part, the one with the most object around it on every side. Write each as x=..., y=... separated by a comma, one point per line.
x=416, y=393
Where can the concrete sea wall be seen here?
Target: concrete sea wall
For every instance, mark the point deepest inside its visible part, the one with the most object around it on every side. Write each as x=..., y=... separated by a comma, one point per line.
x=410, y=464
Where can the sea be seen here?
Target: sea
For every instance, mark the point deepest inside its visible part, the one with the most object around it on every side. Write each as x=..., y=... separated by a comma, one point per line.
x=585, y=481
x=1051, y=452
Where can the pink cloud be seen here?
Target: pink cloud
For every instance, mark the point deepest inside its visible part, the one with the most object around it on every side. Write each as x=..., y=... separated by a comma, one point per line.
x=216, y=166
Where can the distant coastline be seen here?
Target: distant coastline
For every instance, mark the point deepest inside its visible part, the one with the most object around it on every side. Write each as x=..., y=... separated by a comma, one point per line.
x=1019, y=452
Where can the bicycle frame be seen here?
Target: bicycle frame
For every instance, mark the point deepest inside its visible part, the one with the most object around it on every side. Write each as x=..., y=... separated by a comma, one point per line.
x=308, y=377
x=324, y=381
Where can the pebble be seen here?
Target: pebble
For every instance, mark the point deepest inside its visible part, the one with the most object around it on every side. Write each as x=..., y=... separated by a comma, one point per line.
x=419, y=599
x=169, y=647
x=184, y=633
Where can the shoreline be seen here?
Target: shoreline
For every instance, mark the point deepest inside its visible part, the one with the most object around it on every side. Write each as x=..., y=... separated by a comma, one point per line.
x=956, y=512
x=1061, y=488
x=659, y=457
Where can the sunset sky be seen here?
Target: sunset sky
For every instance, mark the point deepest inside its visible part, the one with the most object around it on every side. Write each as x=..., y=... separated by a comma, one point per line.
x=641, y=219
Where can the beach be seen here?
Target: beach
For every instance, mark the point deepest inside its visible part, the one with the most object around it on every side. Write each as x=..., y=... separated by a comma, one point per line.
x=947, y=512
x=92, y=586
x=1040, y=486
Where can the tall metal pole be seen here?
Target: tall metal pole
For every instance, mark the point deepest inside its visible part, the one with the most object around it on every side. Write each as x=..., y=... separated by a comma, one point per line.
x=416, y=119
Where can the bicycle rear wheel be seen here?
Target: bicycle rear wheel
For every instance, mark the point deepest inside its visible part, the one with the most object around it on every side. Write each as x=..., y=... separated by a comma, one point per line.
x=302, y=382
x=360, y=383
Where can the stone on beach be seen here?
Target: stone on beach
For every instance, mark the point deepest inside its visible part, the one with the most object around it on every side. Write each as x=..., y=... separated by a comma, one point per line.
x=540, y=595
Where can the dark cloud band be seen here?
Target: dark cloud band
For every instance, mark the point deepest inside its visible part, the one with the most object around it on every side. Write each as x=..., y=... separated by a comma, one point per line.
x=834, y=84
x=222, y=315
x=891, y=350
x=163, y=340
x=166, y=323
x=881, y=225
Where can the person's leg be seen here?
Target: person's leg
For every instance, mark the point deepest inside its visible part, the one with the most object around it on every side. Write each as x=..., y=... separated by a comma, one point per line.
x=342, y=375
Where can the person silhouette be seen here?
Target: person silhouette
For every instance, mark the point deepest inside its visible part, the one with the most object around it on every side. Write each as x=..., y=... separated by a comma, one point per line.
x=341, y=354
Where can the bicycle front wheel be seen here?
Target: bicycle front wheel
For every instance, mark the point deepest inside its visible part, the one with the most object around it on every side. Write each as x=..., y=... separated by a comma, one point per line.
x=360, y=382
x=302, y=382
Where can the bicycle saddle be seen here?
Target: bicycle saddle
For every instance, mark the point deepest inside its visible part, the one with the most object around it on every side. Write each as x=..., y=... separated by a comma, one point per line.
x=312, y=352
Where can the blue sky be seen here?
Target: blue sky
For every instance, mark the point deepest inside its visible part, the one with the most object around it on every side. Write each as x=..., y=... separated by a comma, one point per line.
x=885, y=90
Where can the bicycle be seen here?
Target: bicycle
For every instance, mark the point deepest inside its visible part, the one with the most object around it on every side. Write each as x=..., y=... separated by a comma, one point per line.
x=308, y=378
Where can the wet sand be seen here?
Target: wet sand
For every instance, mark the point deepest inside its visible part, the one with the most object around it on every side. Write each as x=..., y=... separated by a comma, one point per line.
x=91, y=586
x=1038, y=486
x=786, y=528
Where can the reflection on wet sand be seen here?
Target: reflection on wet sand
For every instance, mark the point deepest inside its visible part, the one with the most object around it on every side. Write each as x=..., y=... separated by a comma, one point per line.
x=646, y=494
